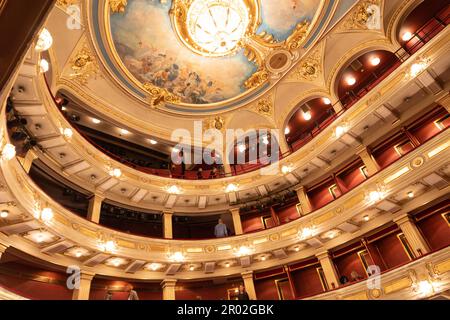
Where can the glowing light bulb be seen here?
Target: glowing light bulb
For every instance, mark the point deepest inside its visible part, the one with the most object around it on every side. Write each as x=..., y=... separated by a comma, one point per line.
x=231, y=188
x=115, y=172
x=287, y=131
x=307, y=115
x=95, y=121
x=242, y=147
x=153, y=142
x=407, y=36
x=173, y=190
x=374, y=61
x=44, y=41
x=4, y=214
x=44, y=66
x=8, y=152
x=350, y=80
x=326, y=101
x=47, y=214
x=366, y=218
x=68, y=133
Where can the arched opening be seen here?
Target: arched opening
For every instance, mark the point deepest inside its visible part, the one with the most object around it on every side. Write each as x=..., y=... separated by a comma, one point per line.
x=423, y=23
x=308, y=120
x=363, y=73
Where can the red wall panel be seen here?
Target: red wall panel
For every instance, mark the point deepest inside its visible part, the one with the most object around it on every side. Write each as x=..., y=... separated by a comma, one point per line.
x=435, y=230
x=392, y=251
x=321, y=196
x=350, y=178
x=288, y=214
x=205, y=290
x=251, y=224
x=35, y=290
x=307, y=281
x=349, y=262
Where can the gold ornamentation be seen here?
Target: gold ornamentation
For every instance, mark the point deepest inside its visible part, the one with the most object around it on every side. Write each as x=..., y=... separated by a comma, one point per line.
x=217, y=123
x=361, y=16
x=257, y=79
x=264, y=106
x=84, y=66
x=295, y=40
x=179, y=18
x=310, y=68
x=118, y=6
x=158, y=97
x=65, y=3
x=417, y=162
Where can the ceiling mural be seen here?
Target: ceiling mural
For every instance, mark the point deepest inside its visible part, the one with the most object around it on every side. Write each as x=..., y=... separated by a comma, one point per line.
x=279, y=18
x=200, y=51
x=150, y=50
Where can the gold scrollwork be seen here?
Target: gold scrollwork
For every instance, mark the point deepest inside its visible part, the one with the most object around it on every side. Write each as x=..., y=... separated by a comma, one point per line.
x=257, y=79
x=118, y=6
x=84, y=66
x=295, y=40
x=158, y=97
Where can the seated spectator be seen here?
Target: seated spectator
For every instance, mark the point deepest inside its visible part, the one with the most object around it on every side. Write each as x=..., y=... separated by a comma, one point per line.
x=200, y=173
x=343, y=280
x=355, y=276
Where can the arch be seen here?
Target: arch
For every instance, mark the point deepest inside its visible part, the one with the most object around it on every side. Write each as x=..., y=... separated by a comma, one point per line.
x=365, y=68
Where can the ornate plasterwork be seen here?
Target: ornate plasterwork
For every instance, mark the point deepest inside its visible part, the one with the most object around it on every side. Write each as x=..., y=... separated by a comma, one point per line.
x=257, y=79
x=365, y=16
x=66, y=3
x=298, y=36
x=309, y=68
x=217, y=123
x=158, y=97
x=118, y=6
x=84, y=65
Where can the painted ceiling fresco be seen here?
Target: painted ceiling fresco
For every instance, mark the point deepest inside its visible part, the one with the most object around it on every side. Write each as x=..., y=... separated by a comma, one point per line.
x=148, y=47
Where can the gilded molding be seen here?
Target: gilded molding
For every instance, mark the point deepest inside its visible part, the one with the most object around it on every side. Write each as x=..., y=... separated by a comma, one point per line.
x=257, y=79
x=158, y=97
x=84, y=66
x=118, y=6
x=364, y=17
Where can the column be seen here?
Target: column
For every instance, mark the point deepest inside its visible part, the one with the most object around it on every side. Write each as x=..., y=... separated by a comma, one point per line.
x=82, y=293
x=237, y=223
x=2, y=250
x=249, y=284
x=167, y=224
x=284, y=147
x=370, y=163
x=226, y=166
x=412, y=234
x=27, y=161
x=445, y=102
x=329, y=270
x=275, y=218
x=168, y=287
x=291, y=282
x=95, y=208
x=304, y=200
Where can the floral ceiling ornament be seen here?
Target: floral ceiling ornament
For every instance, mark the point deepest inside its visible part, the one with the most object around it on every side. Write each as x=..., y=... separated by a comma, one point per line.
x=84, y=66
x=118, y=6
x=217, y=123
x=158, y=97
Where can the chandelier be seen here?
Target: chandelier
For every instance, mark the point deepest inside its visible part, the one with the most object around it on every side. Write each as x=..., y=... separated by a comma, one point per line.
x=214, y=27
